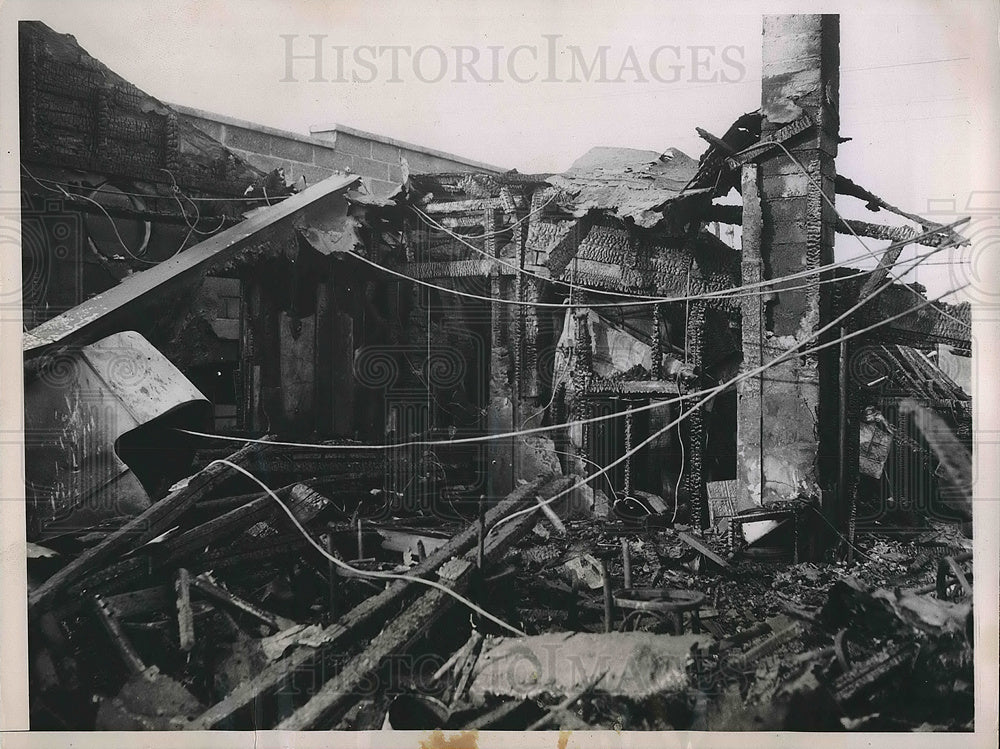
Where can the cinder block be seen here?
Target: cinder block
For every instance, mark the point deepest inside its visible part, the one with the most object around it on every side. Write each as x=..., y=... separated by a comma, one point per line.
x=331, y=159
x=422, y=163
x=385, y=152
x=779, y=26
x=798, y=65
x=369, y=168
x=381, y=187
x=311, y=172
x=287, y=148
x=266, y=163
x=787, y=185
x=247, y=140
x=209, y=127
x=354, y=145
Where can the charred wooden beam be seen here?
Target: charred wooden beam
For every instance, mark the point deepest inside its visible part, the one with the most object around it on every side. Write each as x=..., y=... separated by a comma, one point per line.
x=283, y=673
x=205, y=584
x=463, y=206
x=482, y=267
x=185, y=616
x=733, y=214
x=338, y=693
x=146, y=526
x=229, y=523
x=122, y=644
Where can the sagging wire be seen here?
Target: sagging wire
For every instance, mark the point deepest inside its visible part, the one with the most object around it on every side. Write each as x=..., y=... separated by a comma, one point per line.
x=366, y=573
x=734, y=381
x=741, y=377
x=431, y=222
x=723, y=293
x=680, y=475
x=588, y=461
x=833, y=208
x=197, y=211
x=114, y=227
x=732, y=292
x=240, y=199
x=488, y=437
x=558, y=305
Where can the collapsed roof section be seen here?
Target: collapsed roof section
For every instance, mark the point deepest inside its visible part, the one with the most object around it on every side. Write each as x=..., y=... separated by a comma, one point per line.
x=627, y=183
x=143, y=300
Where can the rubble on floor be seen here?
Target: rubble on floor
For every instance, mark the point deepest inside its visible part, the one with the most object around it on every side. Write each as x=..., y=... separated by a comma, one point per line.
x=223, y=615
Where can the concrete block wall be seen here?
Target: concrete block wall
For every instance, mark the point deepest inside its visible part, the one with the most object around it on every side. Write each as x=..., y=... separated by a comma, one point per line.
x=788, y=426
x=328, y=150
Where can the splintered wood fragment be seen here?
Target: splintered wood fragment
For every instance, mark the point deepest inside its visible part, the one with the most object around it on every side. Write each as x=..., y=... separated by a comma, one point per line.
x=122, y=644
x=205, y=584
x=453, y=659
x=185, y=616
x=226, y=524
x=465, y=672
x=282, y=674
x=152, y=522
x=341, y=691
x=557, y=523
x=701, y=548
x=715, y=141
x=138, y=601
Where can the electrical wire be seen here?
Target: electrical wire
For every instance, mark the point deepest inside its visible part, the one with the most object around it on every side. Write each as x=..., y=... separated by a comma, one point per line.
x=482, y=438
x=431, y=222
x=833, y=208
x=177, y=191
x=463, y=440
x=724, y=293
x=114, y=227
x=739, y=378
x=240, y=199
x=680, y=475
x=641, y=300
x=734, y=381
x=366, y=573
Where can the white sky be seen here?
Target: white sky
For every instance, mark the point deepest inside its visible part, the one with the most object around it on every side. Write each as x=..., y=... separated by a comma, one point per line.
x=908, y=95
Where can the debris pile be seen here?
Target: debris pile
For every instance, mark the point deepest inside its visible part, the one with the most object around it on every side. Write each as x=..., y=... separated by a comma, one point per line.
x=224, y=613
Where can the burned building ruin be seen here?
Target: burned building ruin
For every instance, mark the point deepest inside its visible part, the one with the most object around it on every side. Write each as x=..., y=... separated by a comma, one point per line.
x=281, y=438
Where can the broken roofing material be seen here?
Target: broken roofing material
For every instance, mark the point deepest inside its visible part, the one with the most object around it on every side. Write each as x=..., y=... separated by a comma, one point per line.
x=628, y=183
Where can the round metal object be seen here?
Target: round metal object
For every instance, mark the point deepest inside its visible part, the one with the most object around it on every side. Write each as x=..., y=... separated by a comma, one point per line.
x=661, y=600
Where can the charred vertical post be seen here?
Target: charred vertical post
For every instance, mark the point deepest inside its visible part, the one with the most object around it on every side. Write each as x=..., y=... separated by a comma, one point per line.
x=799, y=411
x=695, y=480
x=501, y=403
x=749, y=422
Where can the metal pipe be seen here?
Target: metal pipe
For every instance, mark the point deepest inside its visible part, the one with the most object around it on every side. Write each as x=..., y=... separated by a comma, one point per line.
x=842, y=440
x=606, y=578
x=331, y=575
x=482, y=532
x=627, y=562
